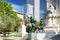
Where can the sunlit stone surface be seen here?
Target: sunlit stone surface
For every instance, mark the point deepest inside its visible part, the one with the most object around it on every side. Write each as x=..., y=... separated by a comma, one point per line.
x=37, y=36
x=52, y=15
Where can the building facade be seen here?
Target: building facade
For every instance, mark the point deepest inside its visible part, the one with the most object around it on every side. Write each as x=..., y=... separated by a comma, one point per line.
x=32, y=8
x=28, y=10
x=52, y=13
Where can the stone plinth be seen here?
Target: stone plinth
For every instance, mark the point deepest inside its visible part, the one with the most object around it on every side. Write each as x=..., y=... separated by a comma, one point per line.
x=37, y=36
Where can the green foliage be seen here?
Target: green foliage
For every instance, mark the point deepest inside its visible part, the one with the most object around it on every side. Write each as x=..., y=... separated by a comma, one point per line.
x=8, y=18
x=3, y=0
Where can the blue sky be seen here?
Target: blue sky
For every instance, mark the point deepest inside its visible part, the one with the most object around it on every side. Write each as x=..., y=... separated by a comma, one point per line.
x=41, y=8
x=17, y=2
x=18, y=5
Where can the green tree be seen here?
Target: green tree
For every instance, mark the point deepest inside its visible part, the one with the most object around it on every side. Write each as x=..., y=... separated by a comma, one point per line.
x=8, y=18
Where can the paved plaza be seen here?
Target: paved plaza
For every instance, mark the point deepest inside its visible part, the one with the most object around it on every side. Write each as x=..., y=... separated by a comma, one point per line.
x=36, y=36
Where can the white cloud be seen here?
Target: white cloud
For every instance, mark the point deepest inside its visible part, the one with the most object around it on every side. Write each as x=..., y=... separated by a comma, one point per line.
x=17, y=8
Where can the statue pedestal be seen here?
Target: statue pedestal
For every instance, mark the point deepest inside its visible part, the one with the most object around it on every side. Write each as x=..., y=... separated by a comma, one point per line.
x=37, y=36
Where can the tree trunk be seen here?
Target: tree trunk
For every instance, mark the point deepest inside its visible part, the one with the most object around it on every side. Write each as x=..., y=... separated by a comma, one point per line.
x=4, y=34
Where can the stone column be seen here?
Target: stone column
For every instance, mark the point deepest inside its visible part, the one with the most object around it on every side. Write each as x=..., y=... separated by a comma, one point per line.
x=36, y=13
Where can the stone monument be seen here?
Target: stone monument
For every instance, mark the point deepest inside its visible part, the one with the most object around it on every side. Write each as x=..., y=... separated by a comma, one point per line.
x=22, y=29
